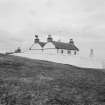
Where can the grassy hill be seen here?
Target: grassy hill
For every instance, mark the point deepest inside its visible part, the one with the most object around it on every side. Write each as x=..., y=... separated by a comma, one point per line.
x=34, y=82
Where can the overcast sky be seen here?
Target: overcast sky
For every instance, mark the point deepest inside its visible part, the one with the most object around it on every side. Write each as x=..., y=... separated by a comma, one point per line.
x=83, y=20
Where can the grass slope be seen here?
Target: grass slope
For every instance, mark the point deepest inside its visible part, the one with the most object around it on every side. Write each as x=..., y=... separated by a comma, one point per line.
x=34, y=82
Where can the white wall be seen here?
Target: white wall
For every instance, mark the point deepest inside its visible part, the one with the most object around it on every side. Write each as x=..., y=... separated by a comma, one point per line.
x=49, y=48
x=49, y=45
x=50, y=51
x=36, y=46
x=35, y=51
x=64, y=51
x=66, y=59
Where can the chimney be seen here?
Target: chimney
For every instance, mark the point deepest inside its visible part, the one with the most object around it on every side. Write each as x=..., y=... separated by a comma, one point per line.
x=71, y=41
x=91, y=53
x=49, y=39
x=36, y=40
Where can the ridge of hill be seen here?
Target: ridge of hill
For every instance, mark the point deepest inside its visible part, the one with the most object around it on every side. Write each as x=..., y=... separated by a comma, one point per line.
x=25, y=81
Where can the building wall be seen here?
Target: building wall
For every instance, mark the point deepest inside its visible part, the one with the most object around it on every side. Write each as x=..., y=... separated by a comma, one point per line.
x=62, y=51
x=50, y=48
x=50, y=51
x=49, y=45
x=36, y=46
x=65, y=52
x=36, y=51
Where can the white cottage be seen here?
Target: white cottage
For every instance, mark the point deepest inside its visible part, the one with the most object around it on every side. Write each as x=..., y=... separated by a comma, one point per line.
x=54, y=47
x=37, y=46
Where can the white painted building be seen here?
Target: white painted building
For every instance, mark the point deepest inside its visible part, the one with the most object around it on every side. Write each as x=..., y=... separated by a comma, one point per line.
x=54, y=47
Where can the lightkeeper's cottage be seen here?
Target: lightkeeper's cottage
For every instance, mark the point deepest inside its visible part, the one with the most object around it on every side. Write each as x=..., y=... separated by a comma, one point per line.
x=54, y=47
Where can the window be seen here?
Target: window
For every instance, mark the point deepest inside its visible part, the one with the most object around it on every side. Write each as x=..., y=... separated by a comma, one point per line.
x=69, y=52
x=57, y=50
x=75, y=52
x=62, y=51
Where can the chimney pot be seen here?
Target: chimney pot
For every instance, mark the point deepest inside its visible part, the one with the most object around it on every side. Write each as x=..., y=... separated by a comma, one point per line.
x=36, y=40
x=71, y=41
x=49, y=39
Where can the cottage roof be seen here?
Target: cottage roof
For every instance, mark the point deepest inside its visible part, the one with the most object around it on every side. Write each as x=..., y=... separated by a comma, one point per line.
x=42, y=44
x=61, y=45
x=67, y=46
x=58, y=45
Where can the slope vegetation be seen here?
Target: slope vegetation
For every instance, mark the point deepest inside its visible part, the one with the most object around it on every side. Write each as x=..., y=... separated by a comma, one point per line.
x=34, y=82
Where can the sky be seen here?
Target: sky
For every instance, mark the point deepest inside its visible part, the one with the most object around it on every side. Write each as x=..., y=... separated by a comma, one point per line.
x=82, y=20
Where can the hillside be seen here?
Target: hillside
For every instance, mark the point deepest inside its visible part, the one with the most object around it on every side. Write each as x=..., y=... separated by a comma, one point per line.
x=35, y=82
